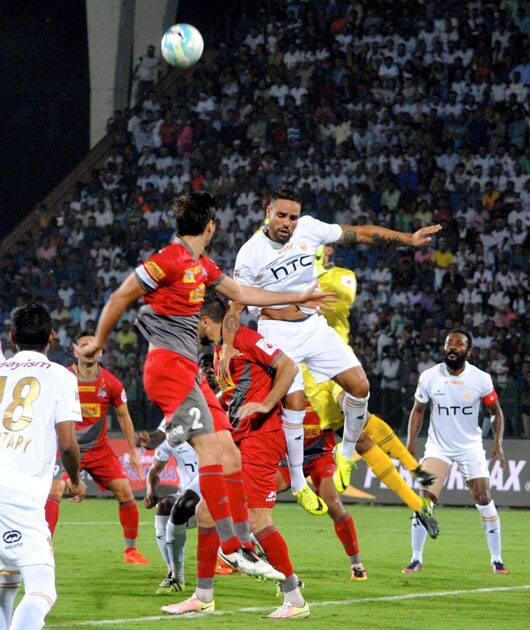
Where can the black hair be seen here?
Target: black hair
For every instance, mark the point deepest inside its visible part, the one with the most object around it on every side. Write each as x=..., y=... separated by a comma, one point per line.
x=462, y=332
x=214, y=308
x=286, y=192
x=194, y=211
x=87, y=332
x=31, y=326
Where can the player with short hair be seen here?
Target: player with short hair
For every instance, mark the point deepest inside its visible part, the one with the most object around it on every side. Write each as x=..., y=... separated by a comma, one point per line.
x=175, y=513
x=172, y=283
x=260, y=376
x=39, y=406
x=98, y=389
x=454, y=391
x=281, y=256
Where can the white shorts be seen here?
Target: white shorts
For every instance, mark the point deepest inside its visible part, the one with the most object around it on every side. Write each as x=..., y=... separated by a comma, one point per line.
x=471, y=463
x=313, y=342
x=24, y=535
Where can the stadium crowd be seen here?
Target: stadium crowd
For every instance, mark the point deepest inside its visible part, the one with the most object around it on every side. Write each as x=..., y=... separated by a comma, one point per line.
x=397, y=114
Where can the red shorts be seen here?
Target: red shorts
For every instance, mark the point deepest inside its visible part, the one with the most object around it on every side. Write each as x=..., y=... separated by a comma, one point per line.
x=168, y=379
x=220, y=419
x=102, y=464
x=260, y=454
x=319, y=467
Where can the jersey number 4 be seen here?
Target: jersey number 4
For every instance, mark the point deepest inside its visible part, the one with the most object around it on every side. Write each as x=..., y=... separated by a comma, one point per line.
x=25, y=393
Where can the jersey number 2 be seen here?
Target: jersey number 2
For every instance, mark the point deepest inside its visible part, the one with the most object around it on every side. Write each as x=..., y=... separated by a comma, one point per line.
x=25, y=393
x=196, y=424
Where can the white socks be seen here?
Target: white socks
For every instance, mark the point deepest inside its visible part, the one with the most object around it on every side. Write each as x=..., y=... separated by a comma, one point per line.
x=160, y=532
x=9, y=585
x=176, y=544
x=40, y=596
x=293, y=428
x=492, y=528
x=418, y=535
x=355, y=410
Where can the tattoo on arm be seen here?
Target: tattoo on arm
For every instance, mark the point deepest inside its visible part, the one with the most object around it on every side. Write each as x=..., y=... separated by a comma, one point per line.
x=385, y=241
x=231, y=322
x=349, y=235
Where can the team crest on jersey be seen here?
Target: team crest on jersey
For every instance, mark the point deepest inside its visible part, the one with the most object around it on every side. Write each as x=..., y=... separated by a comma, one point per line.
x=154, y=270
x=102, y=393
x=467, y=395
x=189, y=277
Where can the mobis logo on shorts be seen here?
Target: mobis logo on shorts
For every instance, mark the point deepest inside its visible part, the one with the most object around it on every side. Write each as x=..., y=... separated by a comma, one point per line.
x=12, y=538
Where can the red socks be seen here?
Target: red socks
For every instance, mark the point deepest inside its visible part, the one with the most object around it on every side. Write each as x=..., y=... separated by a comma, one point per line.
x=214, y=492
x=51, y=512
x=275, y=549
x=207, y=546
x=347, y=535
x=129, y=518
x=239, y=507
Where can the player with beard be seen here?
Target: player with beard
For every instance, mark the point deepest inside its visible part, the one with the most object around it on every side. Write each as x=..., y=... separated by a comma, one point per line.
x=454, y=389
x=282, y=257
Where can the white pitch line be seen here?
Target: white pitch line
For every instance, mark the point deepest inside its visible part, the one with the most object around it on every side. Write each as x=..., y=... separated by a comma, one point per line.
x=263, y=609
x=116, y=522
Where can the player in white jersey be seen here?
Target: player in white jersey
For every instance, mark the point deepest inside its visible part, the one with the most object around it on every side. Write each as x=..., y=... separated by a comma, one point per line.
x=282, y=257
x=39, y=405
x=454, y=391
x=175, y=513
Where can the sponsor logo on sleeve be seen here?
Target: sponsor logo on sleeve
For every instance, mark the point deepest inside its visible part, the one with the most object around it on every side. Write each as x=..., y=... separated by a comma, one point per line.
x=266, y=346
x=154, y=270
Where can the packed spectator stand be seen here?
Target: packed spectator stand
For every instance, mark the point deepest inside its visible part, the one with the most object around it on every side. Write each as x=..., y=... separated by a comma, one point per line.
x=398, y=114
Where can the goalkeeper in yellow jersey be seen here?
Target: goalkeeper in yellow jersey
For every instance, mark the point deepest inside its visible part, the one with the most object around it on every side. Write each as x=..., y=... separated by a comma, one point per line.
x=378, y=440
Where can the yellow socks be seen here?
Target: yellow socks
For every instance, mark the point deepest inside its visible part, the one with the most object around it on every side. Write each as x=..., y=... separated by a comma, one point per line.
x=386, y=472
x=383, y=435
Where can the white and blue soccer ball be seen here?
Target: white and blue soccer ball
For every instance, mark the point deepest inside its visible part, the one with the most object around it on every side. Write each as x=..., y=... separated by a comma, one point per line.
x=182, y=45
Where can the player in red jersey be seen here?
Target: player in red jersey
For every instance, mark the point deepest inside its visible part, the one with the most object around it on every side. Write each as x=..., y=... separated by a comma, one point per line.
x=319, y=464
x=98, y=389
x=173, y=283
x=260, y=375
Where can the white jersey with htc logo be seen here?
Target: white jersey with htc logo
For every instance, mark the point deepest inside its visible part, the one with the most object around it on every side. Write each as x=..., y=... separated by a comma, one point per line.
x=35, y=395
x=454, y=405
x=290, y=266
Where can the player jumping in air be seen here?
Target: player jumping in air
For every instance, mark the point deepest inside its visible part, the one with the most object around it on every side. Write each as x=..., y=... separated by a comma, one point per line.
x=98, y=389
x=280, y=257
x=39, y=407
x=377, y=442
x=172, y=283
x=454, y=390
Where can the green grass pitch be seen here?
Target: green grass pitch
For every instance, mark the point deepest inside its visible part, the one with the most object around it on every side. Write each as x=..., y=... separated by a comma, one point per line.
x=95, y=586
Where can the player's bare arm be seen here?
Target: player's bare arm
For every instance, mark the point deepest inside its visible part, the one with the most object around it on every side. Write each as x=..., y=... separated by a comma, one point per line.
x=69, y=450
x=415, y=424
x=230, y=327
x=252, y=296
x=375, y=235
x=285, y=371
x=497, y=424
x=127, y=428
x=129, y=291
x=153, y=477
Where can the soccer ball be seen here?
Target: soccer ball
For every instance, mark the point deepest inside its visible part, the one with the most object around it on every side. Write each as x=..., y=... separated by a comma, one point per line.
x=182, y=45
